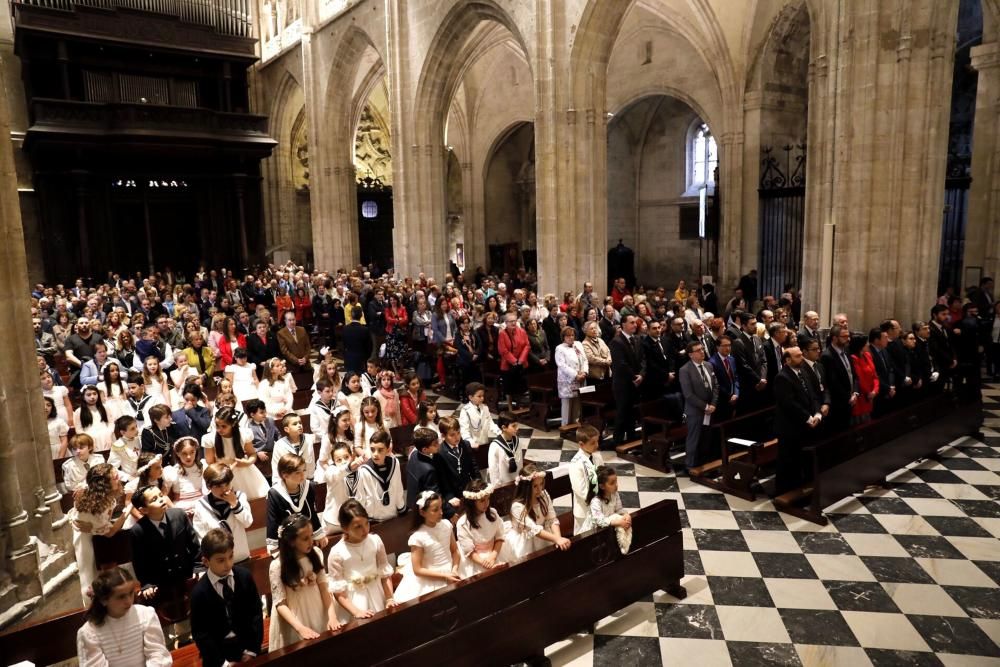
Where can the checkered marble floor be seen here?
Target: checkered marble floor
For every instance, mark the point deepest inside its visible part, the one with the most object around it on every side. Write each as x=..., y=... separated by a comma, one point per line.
x=907, y=575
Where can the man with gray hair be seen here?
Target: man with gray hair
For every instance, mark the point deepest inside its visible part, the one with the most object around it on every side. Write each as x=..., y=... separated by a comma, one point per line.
x=809, y=329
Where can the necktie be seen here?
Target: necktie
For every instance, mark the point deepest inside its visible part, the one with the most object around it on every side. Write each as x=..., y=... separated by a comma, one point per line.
x=704, y=376
x=802, y=381
x=86, y=465
x=227, y=596
x=729, y=371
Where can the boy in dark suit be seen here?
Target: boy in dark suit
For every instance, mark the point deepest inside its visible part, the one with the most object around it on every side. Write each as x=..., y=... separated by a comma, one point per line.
x=164, y=546
x=226, y=617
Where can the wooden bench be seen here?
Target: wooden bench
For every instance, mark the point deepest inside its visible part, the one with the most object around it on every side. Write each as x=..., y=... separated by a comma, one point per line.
x=738, y=467
x=848, y=462
x=544, y=398
x=570, y=590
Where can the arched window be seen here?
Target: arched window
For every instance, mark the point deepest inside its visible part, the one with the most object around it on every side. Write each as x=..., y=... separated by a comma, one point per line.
x=703, y=158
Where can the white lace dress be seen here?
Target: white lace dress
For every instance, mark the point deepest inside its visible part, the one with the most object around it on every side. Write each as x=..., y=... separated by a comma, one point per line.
x=357, y=570
x=522, y=538
x=436, y=545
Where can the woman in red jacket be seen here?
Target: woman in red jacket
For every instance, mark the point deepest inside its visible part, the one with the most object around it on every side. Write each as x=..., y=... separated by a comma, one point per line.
x=230, y=340
x=303, y=307
x=514, y=347
x=864, y=370
x=397, y=322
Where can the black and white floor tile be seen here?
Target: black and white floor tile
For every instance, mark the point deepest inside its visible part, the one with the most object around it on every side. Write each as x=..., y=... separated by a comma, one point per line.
x=905, y=575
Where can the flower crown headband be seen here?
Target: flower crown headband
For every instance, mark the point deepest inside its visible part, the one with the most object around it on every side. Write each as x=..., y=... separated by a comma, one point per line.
x=286, y=523
x=479, y=495
x=527, y=478
x=424, y=497
x=153, y=461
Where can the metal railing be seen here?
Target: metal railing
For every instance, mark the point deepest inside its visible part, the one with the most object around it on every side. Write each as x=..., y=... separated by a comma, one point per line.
x=229, y=17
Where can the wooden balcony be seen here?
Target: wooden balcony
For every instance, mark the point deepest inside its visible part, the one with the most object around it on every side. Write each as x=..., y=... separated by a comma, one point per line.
x=218, y=27
x=64, y=121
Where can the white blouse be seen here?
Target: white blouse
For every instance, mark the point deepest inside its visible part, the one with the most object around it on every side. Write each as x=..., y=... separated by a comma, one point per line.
x=134, y=640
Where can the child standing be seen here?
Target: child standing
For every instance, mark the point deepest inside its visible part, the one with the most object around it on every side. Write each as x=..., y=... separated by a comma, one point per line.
x=91, y=515
x=91, y=418
x=292, y=494
x=118, y=632
x=113, y=390
x=278, y=389
x=125, y=451
x=583, y=474
x=434, y=557
x=341, y=476
x=533, y=520
x=388, y=399
x=294, y=442
x=427, y=416
x=456, y=463
x=380, y=482
x=360, y=573
x=160, y=433
x=321, y=408
x=338, y=432
x=369, y=379
x=164, y=547
x=234, y=447
x=474, y=418
x=480, y=530
x=350, y=395
x=185, y=477
x=262, y=428
x=506, y=455
x=370, y=423
x=421, y=470
x=226, y=617
x=84, y=459
x=410, y=398
x=243, y=375
x=224, y=507
x=58, y=444
x=138, y=402
x=301, y=606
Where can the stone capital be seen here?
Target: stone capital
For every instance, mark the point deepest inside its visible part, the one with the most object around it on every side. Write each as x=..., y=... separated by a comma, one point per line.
x=985, y=56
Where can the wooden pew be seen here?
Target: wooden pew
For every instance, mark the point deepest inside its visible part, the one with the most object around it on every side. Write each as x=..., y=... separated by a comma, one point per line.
x=847, y=462
x=544, y=397
x=44, y=642
x=570, y=590
x=739, y=466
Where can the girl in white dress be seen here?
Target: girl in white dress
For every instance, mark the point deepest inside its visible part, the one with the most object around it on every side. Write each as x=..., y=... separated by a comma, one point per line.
x=57, y=430
x=277, y=389
x=124, y=454
x=339, y=431
x=350, y=395
x=388, y=399
x=360, y=573
x=606, y=508
x=185, y=476
x=155, y=380
x=434, y=557
x=427, y=416
x=179, y=376
x=234, y=447
x=301, y=606
x=480, y=530
x=59, y=396
x=243, y=375
x=369, y=424
x=114, y=392
x=118, y=632
x=533, y=520
x=92, y=418
x=91, y=515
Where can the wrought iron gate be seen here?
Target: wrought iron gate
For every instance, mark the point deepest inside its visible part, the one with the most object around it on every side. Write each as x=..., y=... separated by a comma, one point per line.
x=956, y=203
x=782, y=206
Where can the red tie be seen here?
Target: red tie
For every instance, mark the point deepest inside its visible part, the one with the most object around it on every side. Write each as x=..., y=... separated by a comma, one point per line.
x=729, y=372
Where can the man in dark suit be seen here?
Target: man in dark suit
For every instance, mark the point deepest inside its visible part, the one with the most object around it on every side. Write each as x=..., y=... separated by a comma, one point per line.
x=659, y=372
x=840, y=379
x=878, y=341
x=814, y=372
x=809, y=329
x=700, y=335
x=773, y=351
x=725, y=373
x=940, y=344
x=676, y=343
x=375, y=317
x=607, y=323
x=795, y=420
x=357, y=342
x=226, y=617
x=628, y=370
x=164, y=547
x=701, y=395
x=749, y=366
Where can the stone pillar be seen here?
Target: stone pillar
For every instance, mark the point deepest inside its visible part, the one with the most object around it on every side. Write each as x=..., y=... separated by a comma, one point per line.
x=30, y=515
x=734, y=228
x=331, y=173
x=571, y=145
x=982, y=230
x=881, y=169
x=473, y=216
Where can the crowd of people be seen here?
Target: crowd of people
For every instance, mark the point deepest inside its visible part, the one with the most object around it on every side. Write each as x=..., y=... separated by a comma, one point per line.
x=187, y=388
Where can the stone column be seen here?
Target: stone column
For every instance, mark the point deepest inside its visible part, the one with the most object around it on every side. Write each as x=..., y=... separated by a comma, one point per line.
x=734, y=229
x=982, y=230
x=883, y=188
x=29, y=502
